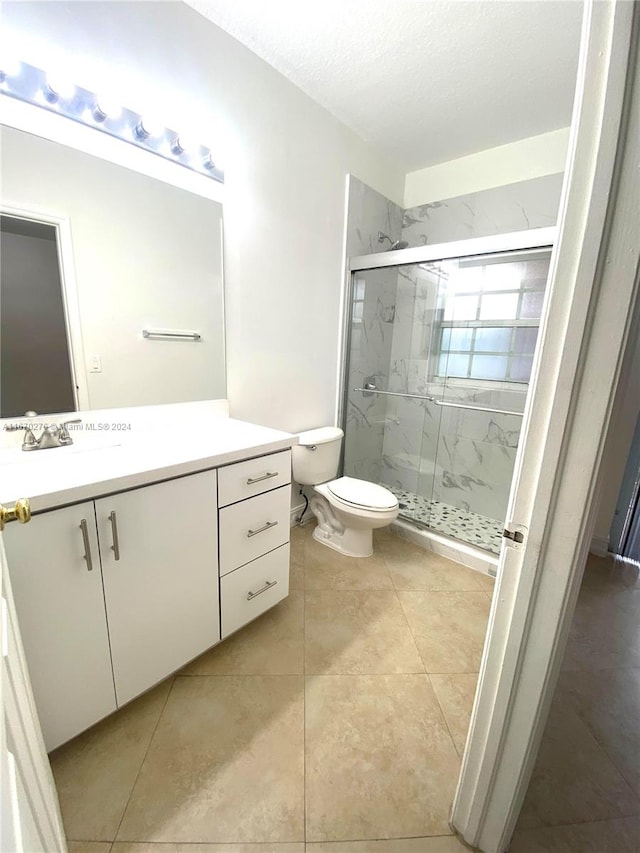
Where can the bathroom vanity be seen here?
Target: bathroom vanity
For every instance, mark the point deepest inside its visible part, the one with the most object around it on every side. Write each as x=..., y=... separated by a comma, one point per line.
x=139, y=557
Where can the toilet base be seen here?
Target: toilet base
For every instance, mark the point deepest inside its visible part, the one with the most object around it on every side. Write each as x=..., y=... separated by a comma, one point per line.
x=350, y=542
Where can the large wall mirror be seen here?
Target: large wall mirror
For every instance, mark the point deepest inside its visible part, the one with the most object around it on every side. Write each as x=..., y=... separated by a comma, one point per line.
x=111, y=288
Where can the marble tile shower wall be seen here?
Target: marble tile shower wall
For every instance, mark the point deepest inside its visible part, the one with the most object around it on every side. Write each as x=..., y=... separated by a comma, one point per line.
x=515, y=207
x=368, y=213
x=461, y=457
x=411, y=435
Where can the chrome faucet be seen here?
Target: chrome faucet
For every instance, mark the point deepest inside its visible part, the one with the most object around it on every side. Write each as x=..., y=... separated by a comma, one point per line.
x=53, y=435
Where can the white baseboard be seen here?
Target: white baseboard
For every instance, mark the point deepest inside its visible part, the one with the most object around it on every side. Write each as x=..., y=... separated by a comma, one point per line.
x=599, y=546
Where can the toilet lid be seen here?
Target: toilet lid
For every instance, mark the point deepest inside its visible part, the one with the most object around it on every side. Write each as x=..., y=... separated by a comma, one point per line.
x=362, y=493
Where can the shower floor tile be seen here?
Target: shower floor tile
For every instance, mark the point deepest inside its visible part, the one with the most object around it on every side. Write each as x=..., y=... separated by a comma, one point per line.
x=462, y=524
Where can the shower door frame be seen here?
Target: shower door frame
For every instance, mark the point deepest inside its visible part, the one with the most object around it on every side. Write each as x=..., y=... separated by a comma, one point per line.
x=515, y=241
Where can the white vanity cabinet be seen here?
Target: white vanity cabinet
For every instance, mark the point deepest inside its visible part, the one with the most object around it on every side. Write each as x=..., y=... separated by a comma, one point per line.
x=158, y=546
x=116, y=593
x=57, y=584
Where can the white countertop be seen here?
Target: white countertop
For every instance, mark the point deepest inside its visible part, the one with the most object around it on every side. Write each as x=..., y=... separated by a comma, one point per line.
x=82, y=471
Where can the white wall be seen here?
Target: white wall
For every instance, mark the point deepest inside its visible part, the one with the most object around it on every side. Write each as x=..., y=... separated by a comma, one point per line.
x=286, y=161
x=533, y=157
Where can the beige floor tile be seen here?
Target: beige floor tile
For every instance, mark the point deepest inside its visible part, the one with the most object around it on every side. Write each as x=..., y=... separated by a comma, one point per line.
x=455, y=694
x=414, y=568
x=605, y=632
x=573, y=780
x=225, y=764
x=327, y=569
x=608, y=702
x=357, y=632
x=271, y=645
x=379, y=760
x=485, y=582
x=297, y=538
x=95, y=772
x=89, y=846
x=434, y=844
x=607, y=836
x=296, y=576
x=449, y=628
x=609, y=571
x=153, y=847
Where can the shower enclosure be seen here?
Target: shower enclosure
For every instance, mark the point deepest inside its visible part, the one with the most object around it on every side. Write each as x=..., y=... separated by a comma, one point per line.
x=439, y=349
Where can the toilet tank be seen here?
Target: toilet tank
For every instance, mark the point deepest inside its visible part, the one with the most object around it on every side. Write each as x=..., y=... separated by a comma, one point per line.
x=316, y=457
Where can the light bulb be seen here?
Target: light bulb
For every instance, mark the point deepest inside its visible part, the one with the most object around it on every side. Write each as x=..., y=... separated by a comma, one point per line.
x=106, y=107
x=148, y=127
x=208, y=161
x=59, y=87
x=185, y=144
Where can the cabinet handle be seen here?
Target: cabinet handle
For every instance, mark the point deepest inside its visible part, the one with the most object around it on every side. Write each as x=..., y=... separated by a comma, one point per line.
x=264, y=527
x=114, y=534
x=87, y=545
x=266, y=476
x=267, y=586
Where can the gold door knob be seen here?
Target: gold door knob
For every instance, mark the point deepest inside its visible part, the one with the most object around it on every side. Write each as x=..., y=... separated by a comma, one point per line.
x=20, y=512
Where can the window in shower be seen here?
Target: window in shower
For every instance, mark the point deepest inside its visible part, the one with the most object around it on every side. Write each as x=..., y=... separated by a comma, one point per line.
x=490, y=318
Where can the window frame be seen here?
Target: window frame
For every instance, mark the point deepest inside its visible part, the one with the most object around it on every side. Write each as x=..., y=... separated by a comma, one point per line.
x=512, y=323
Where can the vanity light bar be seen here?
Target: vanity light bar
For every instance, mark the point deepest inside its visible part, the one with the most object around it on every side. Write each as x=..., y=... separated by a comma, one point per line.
x=28, y=83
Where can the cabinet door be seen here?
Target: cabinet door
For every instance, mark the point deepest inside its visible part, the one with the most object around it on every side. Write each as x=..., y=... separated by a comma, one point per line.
x=60, y=606
x=161, y=586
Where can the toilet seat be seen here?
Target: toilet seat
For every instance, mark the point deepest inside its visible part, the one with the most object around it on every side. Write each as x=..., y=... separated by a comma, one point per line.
x=361, y=494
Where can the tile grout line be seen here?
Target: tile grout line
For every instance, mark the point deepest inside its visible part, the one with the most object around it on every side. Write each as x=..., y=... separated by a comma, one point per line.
x=406, y=619
x=428, y=674
x=144, y=758
x=444, y=717
x=574, y=706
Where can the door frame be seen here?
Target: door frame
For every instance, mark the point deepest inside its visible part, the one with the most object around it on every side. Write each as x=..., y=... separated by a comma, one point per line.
x=591, y=318
x=70, y=302
x=31, y=819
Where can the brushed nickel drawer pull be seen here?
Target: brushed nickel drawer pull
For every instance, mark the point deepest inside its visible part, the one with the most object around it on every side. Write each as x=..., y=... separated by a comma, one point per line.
x=114, y=533
x=267, y=586
x=87, y=545
x=264, y=527
x=266, y=476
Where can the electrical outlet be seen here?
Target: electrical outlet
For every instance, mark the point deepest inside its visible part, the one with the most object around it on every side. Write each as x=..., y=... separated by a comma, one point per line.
x=95, y=364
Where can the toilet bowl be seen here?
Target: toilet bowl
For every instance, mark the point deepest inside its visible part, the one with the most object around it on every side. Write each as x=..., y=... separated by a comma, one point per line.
x=347, y=509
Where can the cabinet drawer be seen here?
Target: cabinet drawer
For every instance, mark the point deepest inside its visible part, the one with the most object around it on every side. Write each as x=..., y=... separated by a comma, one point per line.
x=251, y=528
x=249, y=591
x=253, y=477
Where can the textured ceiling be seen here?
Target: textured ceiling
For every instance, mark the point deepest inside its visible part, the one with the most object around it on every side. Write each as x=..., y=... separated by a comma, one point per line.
x=423, y=80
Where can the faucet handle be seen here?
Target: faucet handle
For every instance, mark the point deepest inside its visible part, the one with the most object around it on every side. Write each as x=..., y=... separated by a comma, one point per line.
x=29, y=442
x=64, y=438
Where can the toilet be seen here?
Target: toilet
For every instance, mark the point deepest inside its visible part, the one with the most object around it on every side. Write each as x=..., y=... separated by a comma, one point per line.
x=347, y=509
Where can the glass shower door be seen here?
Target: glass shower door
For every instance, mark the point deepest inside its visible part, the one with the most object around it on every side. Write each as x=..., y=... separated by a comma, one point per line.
x=439, y=362
x=391, y=418
x=489, y=313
